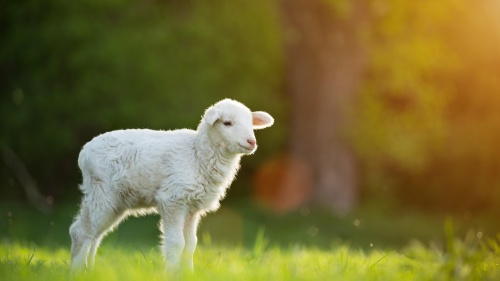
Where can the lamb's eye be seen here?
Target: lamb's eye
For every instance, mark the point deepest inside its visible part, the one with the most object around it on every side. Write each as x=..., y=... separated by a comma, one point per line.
x=228, y=123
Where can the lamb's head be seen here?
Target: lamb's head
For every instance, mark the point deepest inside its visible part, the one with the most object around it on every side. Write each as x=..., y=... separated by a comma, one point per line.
x=230, y=126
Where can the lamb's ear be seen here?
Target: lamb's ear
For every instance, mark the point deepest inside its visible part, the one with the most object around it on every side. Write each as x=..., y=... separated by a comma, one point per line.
x=261, y=120
x=211, y=116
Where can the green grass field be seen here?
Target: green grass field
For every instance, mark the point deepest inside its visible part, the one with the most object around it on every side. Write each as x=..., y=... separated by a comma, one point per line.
x=242, y=243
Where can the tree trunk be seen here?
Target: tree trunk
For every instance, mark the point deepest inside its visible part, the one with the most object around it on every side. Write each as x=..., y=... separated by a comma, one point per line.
x=325, y=64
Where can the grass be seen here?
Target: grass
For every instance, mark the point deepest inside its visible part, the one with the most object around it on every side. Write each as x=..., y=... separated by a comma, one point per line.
x=243, y=243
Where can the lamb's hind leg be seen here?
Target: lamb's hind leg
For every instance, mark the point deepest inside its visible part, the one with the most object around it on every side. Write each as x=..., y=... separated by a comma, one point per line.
x=92, y=223
x=80, y=243
x=106, y=225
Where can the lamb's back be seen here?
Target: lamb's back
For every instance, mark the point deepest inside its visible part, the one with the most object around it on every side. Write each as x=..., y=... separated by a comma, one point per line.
x=134, y=152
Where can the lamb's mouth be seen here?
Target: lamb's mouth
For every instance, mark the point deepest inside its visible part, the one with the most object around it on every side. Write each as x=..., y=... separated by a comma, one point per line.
x=247, y=148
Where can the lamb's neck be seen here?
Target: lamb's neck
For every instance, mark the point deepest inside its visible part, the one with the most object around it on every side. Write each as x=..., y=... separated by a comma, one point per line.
x=212, y=156
x=207, y=151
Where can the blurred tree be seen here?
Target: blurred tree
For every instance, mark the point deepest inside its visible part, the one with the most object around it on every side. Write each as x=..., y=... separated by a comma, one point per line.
x=325, y=63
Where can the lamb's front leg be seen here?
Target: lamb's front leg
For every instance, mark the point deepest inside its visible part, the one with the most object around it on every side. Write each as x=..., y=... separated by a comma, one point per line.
x=190, y=227
x=173, y=217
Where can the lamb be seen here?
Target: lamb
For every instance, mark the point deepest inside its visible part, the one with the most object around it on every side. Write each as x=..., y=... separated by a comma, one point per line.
x=181, y=174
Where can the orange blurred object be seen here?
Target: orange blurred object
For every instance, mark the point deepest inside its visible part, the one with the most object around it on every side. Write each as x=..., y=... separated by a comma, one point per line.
x=283, y=183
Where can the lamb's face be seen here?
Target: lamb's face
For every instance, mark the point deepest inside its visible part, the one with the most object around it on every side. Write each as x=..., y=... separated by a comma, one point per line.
x=232, y=124
x=236, y=132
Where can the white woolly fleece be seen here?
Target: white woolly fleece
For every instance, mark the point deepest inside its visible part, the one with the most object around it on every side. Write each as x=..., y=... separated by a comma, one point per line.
x=181, y=174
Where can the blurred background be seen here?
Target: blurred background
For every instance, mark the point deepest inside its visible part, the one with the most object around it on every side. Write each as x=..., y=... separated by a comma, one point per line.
x=379, y=104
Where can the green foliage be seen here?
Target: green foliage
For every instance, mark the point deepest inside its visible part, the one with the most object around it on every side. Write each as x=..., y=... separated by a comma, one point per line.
x=402, y=105
x=72, y=70
x=427, y=116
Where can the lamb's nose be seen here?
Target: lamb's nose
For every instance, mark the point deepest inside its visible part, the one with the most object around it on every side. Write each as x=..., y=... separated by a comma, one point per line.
x=251, y=142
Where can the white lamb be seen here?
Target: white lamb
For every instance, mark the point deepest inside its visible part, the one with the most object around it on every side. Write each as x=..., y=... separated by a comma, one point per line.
x=181, y=174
